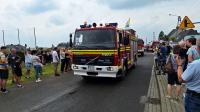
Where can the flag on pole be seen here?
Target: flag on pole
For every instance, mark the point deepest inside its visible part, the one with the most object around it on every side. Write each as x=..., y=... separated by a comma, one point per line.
x=128, y=23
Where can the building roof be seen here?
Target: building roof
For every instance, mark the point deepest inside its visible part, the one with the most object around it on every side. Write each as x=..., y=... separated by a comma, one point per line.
x=191, y=36
x=180, y=34
x=186, y=33
x=174, y=33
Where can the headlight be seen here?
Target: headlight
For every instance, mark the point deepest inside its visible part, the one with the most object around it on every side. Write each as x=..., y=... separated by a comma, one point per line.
x=110, y=69
x=75, y=67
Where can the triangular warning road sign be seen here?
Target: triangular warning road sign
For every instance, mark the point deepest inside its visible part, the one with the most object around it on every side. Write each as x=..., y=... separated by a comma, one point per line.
x=186, y=23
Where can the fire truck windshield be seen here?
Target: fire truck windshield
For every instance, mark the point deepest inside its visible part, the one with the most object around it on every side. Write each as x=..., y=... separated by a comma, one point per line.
x=95, y=39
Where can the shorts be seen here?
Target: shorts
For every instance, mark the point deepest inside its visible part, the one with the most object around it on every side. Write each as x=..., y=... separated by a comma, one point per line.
x=55, y=65
x=28, y=66
x=4, y=74
x=173, y=79
x=18, y=72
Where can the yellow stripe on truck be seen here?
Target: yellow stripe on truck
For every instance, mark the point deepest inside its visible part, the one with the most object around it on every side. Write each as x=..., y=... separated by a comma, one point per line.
x=103, y=52
x=92, y=50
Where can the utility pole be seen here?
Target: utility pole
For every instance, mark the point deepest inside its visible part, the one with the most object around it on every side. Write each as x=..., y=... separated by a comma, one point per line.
x=154, y=36
x=18, y=36
x=3, y=38
x=179, y=19
x=35, y=38
x=146, y=40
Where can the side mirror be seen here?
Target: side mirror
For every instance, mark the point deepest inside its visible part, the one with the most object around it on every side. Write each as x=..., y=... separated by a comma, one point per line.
x=120, y=38
x=70, y=40
x=126, y=41
x=118, y=51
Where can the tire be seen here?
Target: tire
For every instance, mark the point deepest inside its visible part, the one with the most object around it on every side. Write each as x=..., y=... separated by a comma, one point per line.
x=124, y=71
x=142, y=54
x=135, y=62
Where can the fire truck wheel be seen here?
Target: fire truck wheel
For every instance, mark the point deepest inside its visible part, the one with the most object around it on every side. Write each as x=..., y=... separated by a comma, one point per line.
x=135, y=62
x=124, y=71
x=142, y=54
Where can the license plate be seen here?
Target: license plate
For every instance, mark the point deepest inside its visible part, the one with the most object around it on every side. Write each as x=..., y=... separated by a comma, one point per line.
x=91, y=68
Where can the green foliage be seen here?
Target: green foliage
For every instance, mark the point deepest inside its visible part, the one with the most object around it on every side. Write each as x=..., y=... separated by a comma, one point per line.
x=166, y=38
x=21, y=54
x=172, y=39
x=161, y=35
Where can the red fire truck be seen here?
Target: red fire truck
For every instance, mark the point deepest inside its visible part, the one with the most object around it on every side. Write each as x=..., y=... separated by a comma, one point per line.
x=104, y=51
x=140, y=43
x=153, y=45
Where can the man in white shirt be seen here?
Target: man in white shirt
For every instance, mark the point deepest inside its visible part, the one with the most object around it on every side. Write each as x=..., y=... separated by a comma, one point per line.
x=62, y=59
x=191, y=76
x=55, y=61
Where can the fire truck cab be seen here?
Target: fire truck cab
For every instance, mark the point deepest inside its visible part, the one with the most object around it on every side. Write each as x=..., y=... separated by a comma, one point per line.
x=140, y=43
x=104, y=51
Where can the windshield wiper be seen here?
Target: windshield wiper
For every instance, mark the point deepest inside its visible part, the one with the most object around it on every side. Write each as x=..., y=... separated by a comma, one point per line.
x=92, y=60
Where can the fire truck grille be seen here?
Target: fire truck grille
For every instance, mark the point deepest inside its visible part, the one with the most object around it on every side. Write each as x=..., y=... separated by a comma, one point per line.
x=90, y=60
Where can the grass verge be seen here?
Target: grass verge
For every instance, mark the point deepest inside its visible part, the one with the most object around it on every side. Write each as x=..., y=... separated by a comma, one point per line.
x=47, y=71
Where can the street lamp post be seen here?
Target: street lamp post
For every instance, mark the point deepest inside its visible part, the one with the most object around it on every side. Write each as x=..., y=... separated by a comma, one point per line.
x=179, y=19
x=18, y=36
x=35, y=37
x=3, y=38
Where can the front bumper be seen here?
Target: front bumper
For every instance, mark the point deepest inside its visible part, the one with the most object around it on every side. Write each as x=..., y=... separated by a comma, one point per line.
x=140, y=51
x=95, y=71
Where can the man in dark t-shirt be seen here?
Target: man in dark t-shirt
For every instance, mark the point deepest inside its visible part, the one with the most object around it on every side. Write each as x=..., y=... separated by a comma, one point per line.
x=15, y=63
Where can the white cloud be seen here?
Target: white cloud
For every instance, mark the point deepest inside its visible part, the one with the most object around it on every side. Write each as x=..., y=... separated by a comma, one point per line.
x=53, y=24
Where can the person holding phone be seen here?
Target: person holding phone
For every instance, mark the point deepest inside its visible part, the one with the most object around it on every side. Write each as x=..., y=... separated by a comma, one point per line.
x=191, y=77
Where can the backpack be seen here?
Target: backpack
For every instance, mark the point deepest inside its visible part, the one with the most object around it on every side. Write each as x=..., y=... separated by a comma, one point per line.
x=169, y=67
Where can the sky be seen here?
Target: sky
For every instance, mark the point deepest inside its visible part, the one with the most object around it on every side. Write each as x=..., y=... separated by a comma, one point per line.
x=55, y=19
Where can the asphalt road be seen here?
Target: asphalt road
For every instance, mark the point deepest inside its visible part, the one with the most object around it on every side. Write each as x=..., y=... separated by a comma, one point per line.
x=70, y=93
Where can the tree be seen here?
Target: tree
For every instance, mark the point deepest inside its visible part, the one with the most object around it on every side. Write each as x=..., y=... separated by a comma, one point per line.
x=166, y=38
x=172, y=39
x=161, y=35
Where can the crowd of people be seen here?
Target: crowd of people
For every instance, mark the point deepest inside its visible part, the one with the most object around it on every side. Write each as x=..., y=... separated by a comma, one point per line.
x=181, y=63
x=32, y=59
